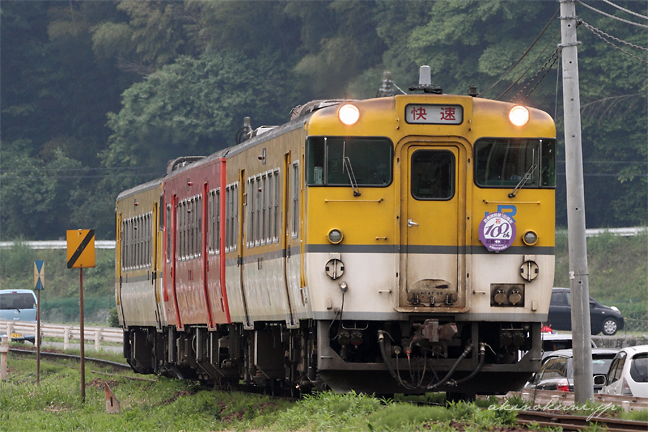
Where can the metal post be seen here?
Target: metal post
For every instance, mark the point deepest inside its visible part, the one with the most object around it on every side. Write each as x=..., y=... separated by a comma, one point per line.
x=38, y=341
x=82, y=335
x=4, y=352
x=578, y=277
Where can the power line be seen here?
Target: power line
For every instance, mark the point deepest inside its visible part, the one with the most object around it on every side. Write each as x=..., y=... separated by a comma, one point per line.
x=612, y=16
x=527, y=69
x=79, y=169
x=600, y=34
x=523, y=55
x=610, y=162
x=554, y=57
x=625, y=10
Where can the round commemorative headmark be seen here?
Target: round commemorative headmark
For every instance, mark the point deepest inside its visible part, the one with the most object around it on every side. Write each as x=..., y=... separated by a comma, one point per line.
x=497, y=231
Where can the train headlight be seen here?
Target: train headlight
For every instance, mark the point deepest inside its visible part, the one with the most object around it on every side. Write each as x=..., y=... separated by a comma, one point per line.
x=519, y=115
x=530, y=238
x=349, y=114
x=335, y=236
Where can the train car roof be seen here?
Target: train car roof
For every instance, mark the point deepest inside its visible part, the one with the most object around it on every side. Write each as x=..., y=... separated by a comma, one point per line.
x=140, y=188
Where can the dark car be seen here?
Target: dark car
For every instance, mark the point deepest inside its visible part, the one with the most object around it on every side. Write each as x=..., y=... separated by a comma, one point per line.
x=603, y=318
x=557, y=370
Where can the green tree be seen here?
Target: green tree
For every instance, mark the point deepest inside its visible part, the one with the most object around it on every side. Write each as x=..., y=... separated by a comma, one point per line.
x=195, y=106
x=35, y=195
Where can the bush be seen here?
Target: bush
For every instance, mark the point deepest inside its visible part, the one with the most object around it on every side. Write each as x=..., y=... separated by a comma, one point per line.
x=113, y=319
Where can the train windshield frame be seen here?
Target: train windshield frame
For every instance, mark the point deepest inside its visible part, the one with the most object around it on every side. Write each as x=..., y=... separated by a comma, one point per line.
x=370, y=160
x=503, y=162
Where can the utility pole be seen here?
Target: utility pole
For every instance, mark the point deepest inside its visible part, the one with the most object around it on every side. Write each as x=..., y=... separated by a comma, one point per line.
x=578, y=273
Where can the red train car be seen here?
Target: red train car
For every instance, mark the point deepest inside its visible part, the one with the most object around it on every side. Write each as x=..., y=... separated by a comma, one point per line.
x=194, y=284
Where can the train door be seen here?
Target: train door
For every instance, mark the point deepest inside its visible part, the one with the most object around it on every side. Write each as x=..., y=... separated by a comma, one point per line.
x=287, y=235
x=174, y=260
x=120, y=265
x=243, y=198
x=156, y=221
x=432, y=226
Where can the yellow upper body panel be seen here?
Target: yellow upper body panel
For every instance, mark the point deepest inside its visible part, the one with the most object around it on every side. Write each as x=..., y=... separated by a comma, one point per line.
x=373, y=217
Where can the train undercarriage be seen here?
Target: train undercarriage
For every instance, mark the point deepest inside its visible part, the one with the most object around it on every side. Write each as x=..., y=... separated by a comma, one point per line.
x=373, y=357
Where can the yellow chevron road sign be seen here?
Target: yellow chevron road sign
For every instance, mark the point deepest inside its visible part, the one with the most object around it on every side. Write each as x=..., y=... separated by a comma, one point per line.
x=80, y=248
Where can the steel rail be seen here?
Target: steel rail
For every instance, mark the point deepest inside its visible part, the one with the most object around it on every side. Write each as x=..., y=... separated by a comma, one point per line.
x=117, y=365
x=570, y=422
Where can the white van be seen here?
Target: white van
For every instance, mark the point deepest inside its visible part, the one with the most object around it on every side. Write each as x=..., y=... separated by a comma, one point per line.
x=18, y=305
x=628, y=374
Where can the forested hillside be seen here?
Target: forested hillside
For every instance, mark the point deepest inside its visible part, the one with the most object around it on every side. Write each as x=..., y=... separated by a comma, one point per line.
x=97, y=96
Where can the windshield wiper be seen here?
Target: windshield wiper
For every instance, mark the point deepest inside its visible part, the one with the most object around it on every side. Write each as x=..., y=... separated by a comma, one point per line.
x=526, y=177
x=346, y=163
x=352, y=179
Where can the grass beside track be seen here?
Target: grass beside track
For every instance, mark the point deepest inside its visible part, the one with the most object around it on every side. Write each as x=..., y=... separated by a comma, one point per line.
x=162, y=404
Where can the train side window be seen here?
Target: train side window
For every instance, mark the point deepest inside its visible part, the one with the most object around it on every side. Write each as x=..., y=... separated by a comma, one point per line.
x=276, y=216
x=218, y=220
x=264, y=204
x=250, y=212
x=147, y=256
x=193, y=216
x=270, y=195
x=228, y=215
x=199, y=217
x=235, y=203
x=231, y=217
x=138, y=231
x=124, y=244
x=129, y=242
x=433, y=175
x=213, y=221
x=168, y=230
x=295, y=200
x=181, y=229
x=257, y=207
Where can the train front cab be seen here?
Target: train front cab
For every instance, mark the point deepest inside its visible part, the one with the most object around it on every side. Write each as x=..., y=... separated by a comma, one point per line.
x=403, y=289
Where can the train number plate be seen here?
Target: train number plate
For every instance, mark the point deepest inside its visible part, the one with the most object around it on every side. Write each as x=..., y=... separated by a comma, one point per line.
x=434, y=114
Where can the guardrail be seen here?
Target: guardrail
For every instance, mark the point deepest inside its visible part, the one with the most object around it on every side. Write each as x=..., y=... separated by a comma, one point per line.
x=67, y=332
x=553, y=397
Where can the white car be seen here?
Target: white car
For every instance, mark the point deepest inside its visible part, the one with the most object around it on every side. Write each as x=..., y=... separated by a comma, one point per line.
x=628, y=374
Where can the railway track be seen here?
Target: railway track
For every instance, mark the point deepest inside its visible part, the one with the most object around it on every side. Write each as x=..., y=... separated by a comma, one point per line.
x=116, y=365
x=570, y=422
x=567, y=422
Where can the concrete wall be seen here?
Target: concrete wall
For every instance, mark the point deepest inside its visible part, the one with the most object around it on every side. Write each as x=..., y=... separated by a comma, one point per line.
x=619, y=341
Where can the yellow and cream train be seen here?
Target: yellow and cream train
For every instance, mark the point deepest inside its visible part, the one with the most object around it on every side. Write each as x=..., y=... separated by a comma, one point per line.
x=400, y=244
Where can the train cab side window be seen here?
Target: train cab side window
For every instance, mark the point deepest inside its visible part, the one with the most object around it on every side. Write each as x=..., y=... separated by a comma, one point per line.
x=503, y=162
x=433, y=175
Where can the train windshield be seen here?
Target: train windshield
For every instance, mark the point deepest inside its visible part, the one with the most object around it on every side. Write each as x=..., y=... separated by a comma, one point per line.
x=503, y=162
x=329, y=160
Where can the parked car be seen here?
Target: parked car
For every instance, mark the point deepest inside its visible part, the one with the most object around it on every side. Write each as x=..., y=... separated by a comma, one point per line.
x=557, y=370
x=18, y=305
x=628, y=373
x=557, y=341
x=606, y=319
